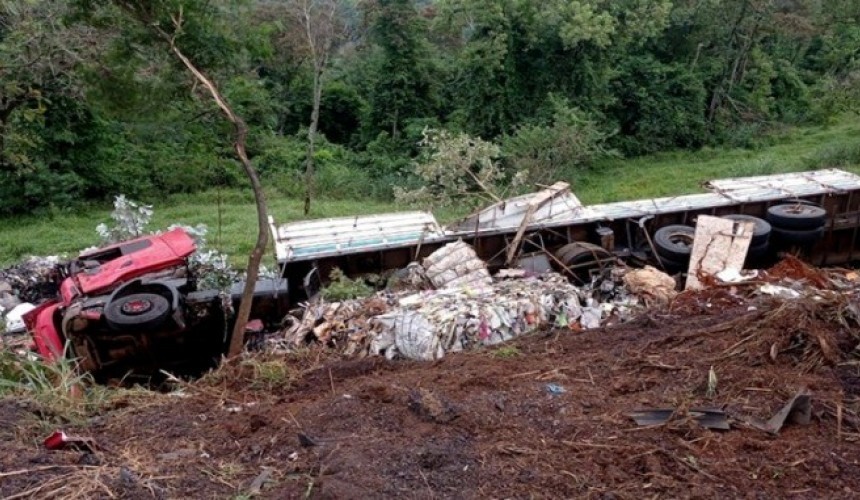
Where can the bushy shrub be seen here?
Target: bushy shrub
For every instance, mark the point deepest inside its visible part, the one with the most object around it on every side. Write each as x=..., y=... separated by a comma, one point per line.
x=791, y=96
x=341, y=287
x=339, y=174
x=457, y=168
x=130, y=220
x=659, y=106
x=832, y=97
x=836, y=156
x=544, y=152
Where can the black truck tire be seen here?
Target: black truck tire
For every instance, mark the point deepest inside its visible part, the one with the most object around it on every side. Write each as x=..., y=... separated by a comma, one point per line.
x=137, y=311
x=673, y=266
x=761, y=228
x=675, y=242
x=757, y=252
x=796, y=237
x=797, y=217
x=583, y=257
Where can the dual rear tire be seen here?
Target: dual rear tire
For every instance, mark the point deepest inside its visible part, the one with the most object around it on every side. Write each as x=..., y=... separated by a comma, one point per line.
x=797, y=224
x=674, y=243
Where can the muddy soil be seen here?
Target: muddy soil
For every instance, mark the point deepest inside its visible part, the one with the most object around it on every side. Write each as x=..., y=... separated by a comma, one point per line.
x=546, y=416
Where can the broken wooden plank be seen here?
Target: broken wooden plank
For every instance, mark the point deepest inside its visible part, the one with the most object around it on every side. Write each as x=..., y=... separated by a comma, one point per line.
x=719, y=244
x=540, y=198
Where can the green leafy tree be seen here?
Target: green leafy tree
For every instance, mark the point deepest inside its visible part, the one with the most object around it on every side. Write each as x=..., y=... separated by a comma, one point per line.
x=658, y=105
x=47, y=132
x=400, y=87
x=542, y=154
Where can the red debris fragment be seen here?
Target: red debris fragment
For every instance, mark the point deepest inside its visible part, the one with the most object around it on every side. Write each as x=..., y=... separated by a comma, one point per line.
x=59, y=440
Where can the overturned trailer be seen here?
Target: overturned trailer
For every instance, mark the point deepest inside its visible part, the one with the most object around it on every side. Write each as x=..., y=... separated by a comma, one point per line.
x=815, y=214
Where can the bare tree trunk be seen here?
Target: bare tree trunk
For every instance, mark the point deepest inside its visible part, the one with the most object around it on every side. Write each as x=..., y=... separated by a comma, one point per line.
x=319, y=19
x=739, y=69
x=240, y=137
x=312, y=133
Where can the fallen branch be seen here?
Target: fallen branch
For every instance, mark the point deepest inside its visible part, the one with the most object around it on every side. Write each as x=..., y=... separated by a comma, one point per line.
x=44, y=468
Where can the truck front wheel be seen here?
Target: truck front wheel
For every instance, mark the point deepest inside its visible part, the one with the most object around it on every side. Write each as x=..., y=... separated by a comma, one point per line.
x=138, y=311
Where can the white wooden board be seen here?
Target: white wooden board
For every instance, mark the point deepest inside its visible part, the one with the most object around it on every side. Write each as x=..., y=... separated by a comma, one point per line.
x=719, y=244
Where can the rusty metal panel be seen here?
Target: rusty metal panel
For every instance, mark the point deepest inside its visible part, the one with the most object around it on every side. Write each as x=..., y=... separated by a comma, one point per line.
x=313, y=239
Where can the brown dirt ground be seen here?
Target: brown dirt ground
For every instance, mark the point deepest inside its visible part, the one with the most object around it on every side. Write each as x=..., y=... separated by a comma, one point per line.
x=483, y=424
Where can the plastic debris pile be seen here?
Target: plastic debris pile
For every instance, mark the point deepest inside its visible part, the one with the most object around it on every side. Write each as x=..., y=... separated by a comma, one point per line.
x=469, y=309
x=426, y=325
x=22, y=286
x=30, y=281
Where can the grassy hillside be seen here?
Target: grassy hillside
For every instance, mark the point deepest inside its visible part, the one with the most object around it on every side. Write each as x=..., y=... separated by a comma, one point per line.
x=683, y=172
x=233, y=231
x=611, y=180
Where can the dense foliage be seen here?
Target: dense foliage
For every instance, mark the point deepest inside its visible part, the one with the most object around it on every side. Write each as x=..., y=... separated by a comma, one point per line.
x=90, y=106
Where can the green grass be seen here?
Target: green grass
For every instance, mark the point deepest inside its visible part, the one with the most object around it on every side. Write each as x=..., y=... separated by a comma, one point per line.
x=68, y=233
x=663, y=174
x=59, y=389
x=683, y=172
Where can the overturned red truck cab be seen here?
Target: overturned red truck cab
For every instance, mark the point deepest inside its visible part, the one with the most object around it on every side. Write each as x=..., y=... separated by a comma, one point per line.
x=134, y=309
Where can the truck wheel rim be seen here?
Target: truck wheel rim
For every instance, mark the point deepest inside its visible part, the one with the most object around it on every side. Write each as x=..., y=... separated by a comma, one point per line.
x=684, y=240
x=137, y=306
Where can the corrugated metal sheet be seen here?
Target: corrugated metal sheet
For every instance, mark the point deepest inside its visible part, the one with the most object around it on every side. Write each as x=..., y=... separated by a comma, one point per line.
x=509, y=213
x=829, y=180
x=345, y=235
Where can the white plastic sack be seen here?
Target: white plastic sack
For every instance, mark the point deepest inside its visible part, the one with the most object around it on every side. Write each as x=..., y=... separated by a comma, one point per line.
x=456, y=264
x=414, y=336
x=14, y=318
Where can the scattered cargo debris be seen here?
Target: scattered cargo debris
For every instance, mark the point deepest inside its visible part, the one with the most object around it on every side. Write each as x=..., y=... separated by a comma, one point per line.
x=59, y=440
x=468, y=309
x=136, y=307
x=15, y=317
x=33, y=280
x=555, y=389
x=469, y=419
x=797, y=410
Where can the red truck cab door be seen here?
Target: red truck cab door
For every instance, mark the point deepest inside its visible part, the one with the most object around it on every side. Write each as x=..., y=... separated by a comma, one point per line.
x=43, y=327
